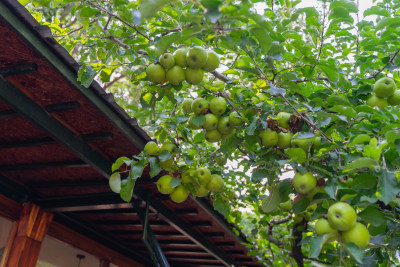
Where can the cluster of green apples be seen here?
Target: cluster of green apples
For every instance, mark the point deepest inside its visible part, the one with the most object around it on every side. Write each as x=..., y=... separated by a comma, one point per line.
x=200, y=179
x=151, y=148
x=385, y=94
x=185, y=64
x=342, y=225
x=217, y=125
x=283, y=140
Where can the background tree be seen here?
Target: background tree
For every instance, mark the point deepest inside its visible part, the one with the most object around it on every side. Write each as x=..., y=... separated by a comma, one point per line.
x=319, y=64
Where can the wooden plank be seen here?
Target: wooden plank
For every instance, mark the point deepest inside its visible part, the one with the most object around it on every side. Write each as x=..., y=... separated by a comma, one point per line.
x=104, y=263
x=84, y=243
x=10, y=208
x=31, y=230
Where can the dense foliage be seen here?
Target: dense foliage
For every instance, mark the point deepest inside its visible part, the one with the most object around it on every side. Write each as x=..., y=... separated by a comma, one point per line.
x=317, y=63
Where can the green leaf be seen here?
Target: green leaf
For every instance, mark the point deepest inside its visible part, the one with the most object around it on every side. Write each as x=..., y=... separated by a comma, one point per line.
x=137, y=169
x=364, y=181
x=178, y=37
x=127, y=186
x=386, y=22
x=372, y=152
x=316, y=243
x=180, y=119
x=300, y=205
x=259, y=174
x=86, y=75
x=149, y=8
x=263, y=38
x=388, y=186
x=220, y=206
x=360, y=139
x=355, y=252
x=296, y=154
x=392, y=135
x=175, y=182
x=115, y=182
x=271, y=202
x=310, y=11
x=88, y=12
x=252, y=126
x=330, y=72
x=375, y=10
x=118, y=163
x=372, y=216
x=285, y=188
x=164, y=155
x=361, y=163
x=155, y=167
x=199, y=120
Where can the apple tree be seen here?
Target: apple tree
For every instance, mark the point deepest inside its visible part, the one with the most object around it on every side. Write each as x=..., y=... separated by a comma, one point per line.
x=296, y=113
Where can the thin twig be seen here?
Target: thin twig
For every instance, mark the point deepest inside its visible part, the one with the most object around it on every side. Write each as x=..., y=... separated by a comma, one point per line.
x=106, y=85
x=373, y=76
x=322, y=35
x=112, y=38
x=221, y=77
x=118, y=18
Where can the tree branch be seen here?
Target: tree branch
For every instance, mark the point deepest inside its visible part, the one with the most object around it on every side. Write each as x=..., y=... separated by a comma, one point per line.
x=106, y=85
x=221, y=77
x=373, y=76
x=112, y=38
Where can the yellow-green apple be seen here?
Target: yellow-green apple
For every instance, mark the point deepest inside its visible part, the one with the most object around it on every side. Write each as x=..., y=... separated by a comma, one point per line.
x=211, y=122
x=283, y=119
x=187, y=105
x=194, y=76
x=187, y=176
x=164, y=184
x=316, y=141
x=322, y=226
x=316, y=190
x=303, y=143
x=203, y=175
x=167, y=60
x=155, y=73
x=341, y=216
x=284, y=139
x=224, y=125
x=218, y=105
x=201, y=191
x=180, y=57
x=286, y=206
x=358, y=234
x=167, y=164
x=216, y=183
x=170, y=147
x=304, y=183
x=191, y=123
x=212, y=61
x=374, y=101
x=384, y=87
x=235, y=119
x=196, y=57
x=213, y=136
x=180, y=194
x=221, y=159
x=269, y=138
x=199, y=105
x=394, y=99
x=151, y=148
x=175, y=75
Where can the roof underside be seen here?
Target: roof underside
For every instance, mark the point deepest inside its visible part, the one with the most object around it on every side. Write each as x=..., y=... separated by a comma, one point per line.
x=57, y=143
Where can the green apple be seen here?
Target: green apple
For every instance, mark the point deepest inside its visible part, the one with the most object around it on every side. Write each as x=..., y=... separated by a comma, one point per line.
x=226, y=136
x=151, y=148
x=341, y=216
x=191, y=123
x=213, y=136
x=224, y=125
x=194, y=76
x=196, y=57
x=167, y=60
x=235, y=119
x=187, y=105
x=297, y=218
x=316, y=141
x=212, y=61
x=180, y=57
x=180, y=194
x=164, y=184
x=312, y=208
x=286, y=206
x=203, y=175
x=167, y=164
x=187, y=176
x=175, y=75
x=201, y=191
x=170, y=147
x=322, y=226
x=302, y=143
x=155, y=73
x=374, y=101
x=199, y=105
x=221, y=159
x=316, y=190
x=384, y=87
x=218, y=105
x=216, y=183
x=284, y=139
x=394, y=99
x=211, y=122
x=269, y=138
x=283, y=119
x=358, y=234
x=304, y=183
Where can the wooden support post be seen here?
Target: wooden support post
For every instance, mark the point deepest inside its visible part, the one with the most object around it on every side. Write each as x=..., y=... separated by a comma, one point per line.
x=31, y=230
x=104, y=263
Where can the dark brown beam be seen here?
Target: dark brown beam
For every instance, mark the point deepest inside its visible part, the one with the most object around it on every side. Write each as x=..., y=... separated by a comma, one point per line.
x=45, y=165
x=49, y=141
x=186, y=211
x=18, y=69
